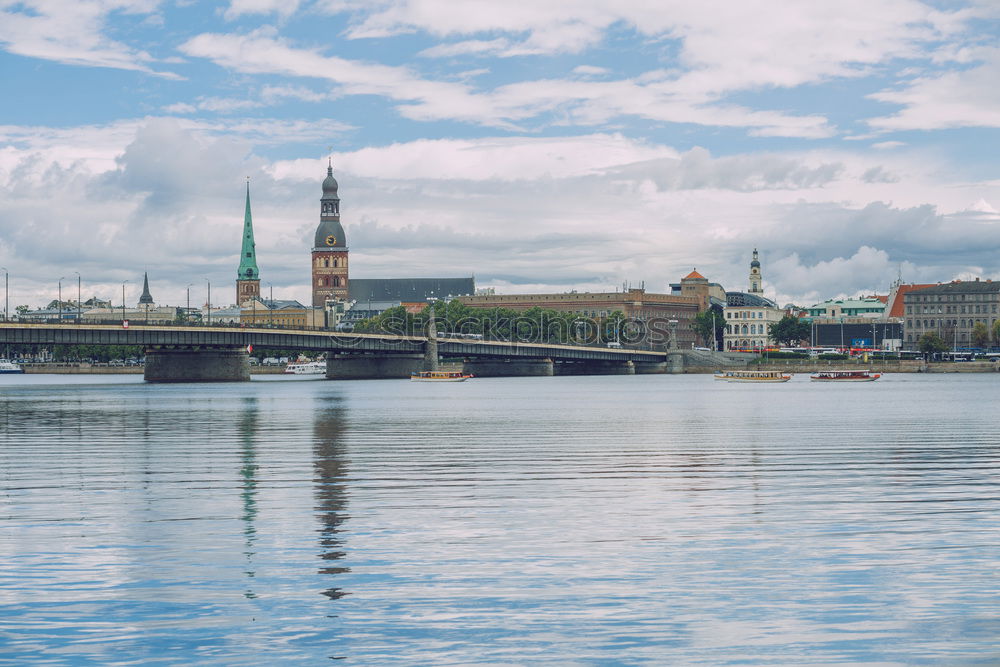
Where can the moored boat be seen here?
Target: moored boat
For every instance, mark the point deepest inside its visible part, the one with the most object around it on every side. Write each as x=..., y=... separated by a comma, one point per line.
x=440, y=376
x=845, y=376
x=8, y=366
x=307, y=368
x=753, y=376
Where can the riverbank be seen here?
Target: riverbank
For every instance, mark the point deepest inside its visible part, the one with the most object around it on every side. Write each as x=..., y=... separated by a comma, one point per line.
x=90, y=369
x=879, y=365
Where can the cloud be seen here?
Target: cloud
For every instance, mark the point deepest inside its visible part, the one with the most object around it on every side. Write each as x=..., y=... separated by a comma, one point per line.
x=725, y=46
x=585, y=102
x=963, y=98
x=697, y=170
x=521, y=213
x=73, y=33
x=238, y=8
x=469, y=47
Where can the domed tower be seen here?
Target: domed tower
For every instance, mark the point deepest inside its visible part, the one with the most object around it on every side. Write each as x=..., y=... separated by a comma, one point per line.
x=756, y=281
x=329, y=253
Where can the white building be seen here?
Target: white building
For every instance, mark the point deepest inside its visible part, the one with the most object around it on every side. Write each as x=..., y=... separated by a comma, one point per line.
x=750, y=314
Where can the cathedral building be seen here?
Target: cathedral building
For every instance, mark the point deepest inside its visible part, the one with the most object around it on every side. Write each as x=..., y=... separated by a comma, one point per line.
x=247, y=275
x=329, y=253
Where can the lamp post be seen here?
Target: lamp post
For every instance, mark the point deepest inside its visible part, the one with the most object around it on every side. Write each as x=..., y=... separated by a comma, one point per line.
x=6, y=276
x=60, y=298
x=123, y=299
x=187, y=310
x=78, y=297
x=209, y=301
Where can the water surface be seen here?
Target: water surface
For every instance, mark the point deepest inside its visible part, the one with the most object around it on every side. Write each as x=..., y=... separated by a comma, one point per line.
x=566, y=520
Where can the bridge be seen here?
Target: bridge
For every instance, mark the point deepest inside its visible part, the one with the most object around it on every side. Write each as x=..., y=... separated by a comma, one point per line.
x=204, y=353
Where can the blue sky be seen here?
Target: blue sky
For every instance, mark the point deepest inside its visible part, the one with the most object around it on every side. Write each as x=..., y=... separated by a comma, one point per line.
x=540, y=145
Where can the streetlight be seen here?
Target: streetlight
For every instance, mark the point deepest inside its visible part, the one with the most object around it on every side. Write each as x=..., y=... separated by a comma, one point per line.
x=60, y=298
x=123, y=299
x=187, y=310
x=78, y=297
x=209, y=301
x=6, y=277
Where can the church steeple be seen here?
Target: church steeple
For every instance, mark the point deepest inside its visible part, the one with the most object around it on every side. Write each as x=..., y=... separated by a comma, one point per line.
x=146, y=298
x=248, y=257
x=247, y=275
x=329, y=253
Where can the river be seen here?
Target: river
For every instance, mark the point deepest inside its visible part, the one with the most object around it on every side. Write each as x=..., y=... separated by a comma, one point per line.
x=564, y=520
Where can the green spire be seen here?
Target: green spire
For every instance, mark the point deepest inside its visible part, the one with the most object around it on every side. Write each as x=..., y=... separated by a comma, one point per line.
x=248, y=257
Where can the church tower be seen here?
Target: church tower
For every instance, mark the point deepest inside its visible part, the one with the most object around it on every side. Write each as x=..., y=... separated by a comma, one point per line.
x=329, y=253
x=248, y=275
x=756, y=281
x=146, y=299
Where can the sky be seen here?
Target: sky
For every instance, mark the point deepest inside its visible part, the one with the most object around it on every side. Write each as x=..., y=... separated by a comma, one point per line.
x=539, y=145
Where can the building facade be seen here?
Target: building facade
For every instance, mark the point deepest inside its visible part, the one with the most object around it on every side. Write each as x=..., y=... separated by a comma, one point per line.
x=653, y=312
x=696, y=285
x=867, y=307
x=247, y=275
x=950, y=310
x=750, y=314
x=329, y=253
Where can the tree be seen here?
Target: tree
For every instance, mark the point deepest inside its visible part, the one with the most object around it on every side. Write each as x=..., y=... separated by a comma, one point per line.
x=788, y=330
x=703, y=324
x=996, y=332
x=930, y=343
x=980, y=335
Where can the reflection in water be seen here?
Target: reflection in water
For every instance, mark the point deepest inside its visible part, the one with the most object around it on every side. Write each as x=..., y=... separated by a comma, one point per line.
x=330, y=489
x=246, y=426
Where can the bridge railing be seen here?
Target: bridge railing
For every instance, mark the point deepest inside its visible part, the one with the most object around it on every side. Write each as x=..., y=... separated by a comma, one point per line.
x=441, y=336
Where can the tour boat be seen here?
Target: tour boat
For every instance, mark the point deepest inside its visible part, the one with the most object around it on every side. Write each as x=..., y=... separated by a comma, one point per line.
x=307, y=368
x=845, y=376
x=439, y=376
x=753, y=376
x=7, y=366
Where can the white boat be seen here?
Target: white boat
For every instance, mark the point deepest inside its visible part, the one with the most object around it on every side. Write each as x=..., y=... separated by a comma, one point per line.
x=439, y=376
x=753, y=376
x=845, y=376
x=307, y=368
x=8, y=366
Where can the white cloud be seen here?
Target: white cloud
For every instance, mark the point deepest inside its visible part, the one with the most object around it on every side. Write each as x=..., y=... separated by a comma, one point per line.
x=523, y=213
x=586, y=102
x=74, y=32
x=727, y=46
x=590, y=70
x=469, y=47
x=962, y=98
x=238, y=8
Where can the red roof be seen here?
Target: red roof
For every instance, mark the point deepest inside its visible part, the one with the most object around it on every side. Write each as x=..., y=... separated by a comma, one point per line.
x=694, y=275
x=896, y=307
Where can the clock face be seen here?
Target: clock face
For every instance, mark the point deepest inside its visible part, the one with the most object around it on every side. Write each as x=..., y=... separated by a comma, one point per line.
x=331, y=240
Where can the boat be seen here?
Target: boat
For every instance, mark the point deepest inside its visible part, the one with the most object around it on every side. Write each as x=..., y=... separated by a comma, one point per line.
x=753, y=376
x=440, y=376
x=8, y=366
x=845, y=376
x=307, y=368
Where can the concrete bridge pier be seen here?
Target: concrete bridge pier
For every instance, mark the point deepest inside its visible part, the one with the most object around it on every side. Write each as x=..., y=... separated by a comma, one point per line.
x=197, y=364
x=675, y=362
x=650, y=367
x=509, y=368
x=371, y=367
x=592, y=367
